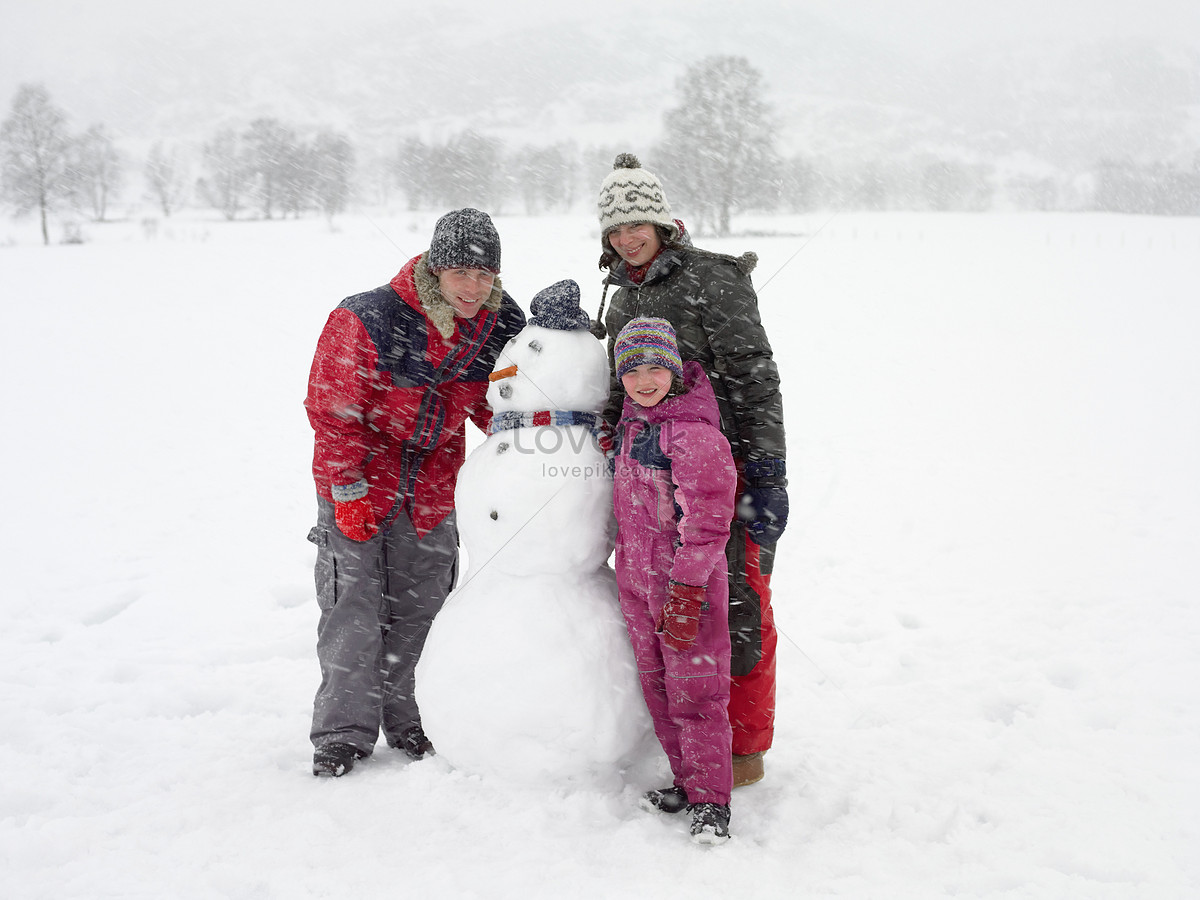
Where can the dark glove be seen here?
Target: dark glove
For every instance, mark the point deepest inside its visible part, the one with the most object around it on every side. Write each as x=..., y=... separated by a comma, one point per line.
x=764, y=505
x=679, y=621
x=356, y=519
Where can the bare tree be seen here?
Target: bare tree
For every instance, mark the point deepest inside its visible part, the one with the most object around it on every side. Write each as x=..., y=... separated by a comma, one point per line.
x=467, y=170
x=411, y=170
x=719, y=140
x=546, y=177
x=166, y=177
x=270, y=154
x=296, y=180
x=802, y=184
x=952, y=185
x=35, y=154
x=333, y=168
x=97, y=170
x=228, y=179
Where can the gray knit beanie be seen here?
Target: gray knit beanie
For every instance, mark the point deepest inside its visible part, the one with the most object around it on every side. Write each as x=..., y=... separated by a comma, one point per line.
x=631, y=195
x=467, y=239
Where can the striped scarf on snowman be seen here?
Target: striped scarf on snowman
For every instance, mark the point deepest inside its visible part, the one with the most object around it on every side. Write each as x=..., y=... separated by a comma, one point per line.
x=600, y=429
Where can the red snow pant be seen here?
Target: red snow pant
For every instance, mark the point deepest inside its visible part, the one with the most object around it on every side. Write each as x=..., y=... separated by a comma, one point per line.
x=686, y=691
x=753, y=636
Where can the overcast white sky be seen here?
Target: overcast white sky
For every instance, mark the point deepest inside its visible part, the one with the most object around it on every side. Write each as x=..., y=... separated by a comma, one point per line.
x=925, y=25
x=51, y=28
x=55, y=41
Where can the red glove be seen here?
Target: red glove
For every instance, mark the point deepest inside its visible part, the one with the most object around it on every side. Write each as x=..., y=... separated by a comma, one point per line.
x=356, y=519
x=679, y=621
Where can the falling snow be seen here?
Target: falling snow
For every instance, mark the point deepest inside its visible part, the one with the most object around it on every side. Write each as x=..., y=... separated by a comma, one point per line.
x=987, y=592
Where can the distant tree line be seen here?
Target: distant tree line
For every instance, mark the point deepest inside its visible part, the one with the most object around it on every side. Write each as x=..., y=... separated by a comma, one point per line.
x=43, y=167
x=1156, y=189
x=716, y=156
x=272, y=171
x=268, y=169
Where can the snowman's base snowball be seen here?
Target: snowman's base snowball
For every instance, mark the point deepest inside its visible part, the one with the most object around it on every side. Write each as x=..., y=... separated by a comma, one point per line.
x=533, y=679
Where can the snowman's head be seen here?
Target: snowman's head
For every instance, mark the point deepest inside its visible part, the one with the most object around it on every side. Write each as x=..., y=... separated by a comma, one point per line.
x=550, y=369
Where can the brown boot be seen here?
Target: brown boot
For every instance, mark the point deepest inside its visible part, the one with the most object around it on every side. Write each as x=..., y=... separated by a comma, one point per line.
x=747, y=769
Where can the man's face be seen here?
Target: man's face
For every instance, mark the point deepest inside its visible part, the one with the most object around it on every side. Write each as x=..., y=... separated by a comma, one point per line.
x=466, y=289
x=636, y=244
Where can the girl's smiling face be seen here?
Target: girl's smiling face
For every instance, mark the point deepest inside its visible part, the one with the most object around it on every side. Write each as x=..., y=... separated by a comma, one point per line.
x=647, y=384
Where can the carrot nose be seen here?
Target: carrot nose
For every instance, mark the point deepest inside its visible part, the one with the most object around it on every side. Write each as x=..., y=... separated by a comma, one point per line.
x=506, y=372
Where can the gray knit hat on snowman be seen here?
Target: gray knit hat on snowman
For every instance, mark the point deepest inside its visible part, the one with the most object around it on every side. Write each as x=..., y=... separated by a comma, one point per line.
x=631, y=195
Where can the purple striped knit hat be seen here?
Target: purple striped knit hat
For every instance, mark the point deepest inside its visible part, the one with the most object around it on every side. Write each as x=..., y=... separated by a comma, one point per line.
x=647, y=342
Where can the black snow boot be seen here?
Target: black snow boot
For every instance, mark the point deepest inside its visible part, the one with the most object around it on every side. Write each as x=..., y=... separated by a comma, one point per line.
x=414, y=742
x=668, y=800
x=710, y=823
x=335, y=760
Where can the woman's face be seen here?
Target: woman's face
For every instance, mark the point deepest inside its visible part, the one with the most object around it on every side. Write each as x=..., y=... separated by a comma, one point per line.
x=466, y=289
x=647, y=384
x=636, y=244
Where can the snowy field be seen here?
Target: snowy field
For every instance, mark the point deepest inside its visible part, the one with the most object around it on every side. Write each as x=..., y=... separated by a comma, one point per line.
x=988, y=592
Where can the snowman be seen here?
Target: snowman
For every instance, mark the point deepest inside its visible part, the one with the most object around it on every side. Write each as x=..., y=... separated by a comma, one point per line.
x=528, y=673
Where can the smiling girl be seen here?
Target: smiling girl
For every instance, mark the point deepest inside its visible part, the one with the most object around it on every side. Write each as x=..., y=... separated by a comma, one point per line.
x=673, y=490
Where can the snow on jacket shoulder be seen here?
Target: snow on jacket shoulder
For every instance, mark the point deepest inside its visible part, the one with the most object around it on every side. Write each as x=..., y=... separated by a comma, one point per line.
x=389, y=396
x=711, y=302
x=675, y=477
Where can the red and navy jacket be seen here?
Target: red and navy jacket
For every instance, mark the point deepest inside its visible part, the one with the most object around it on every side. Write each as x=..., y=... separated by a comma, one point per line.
x=388, y=399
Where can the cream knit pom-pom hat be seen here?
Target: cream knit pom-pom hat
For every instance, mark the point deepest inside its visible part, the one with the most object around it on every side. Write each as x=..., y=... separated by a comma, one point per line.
x=631, y=195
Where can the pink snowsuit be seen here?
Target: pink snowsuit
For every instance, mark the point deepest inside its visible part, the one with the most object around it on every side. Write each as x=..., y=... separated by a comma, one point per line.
x=673, y=490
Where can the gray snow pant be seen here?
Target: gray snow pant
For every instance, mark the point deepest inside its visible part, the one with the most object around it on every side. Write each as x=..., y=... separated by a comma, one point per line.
x=378, y=599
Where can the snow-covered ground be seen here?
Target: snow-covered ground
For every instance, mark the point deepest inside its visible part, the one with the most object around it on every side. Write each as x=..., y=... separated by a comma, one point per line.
x=987, y=593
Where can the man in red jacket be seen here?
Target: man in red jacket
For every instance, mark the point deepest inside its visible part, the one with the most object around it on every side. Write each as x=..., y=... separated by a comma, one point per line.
x=397, y=372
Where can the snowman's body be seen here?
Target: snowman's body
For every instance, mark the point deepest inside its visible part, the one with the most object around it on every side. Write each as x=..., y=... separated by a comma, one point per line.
x=528, y=672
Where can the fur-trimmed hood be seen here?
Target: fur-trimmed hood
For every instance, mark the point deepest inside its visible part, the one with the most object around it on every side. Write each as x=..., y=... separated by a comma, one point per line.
x=418, y=286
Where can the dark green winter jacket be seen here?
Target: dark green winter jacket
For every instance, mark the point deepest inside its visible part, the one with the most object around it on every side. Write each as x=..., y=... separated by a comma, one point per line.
x=710, y=301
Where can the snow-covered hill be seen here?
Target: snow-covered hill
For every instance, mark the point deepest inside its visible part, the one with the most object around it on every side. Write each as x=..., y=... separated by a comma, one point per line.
x=569, y=73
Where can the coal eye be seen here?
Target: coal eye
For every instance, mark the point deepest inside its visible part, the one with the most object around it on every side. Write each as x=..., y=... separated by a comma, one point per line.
x=535, y=346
